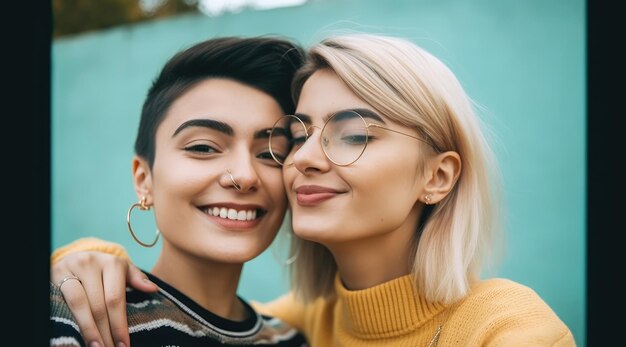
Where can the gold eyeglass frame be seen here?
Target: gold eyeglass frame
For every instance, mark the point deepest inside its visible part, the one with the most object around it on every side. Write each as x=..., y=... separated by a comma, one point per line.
x=367, y=129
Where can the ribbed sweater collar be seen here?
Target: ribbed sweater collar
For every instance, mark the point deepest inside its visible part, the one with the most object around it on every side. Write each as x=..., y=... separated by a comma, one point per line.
x=389, y=309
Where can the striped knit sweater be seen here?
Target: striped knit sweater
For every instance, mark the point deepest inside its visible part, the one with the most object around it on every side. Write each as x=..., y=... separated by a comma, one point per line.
x=169, y=318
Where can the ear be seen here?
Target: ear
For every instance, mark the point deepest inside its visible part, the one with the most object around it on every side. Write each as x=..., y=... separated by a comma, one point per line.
x=142, y=179
x=442, y=174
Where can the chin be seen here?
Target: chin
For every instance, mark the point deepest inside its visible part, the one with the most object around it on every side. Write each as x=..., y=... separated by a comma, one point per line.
x=315, y=231
x=236, y=251
x=239, y=256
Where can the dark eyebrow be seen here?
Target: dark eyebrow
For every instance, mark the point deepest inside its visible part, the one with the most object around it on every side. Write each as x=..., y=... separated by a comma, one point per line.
x=303, y=117
x=364, y=112
x=277, y=131
x=262, y=134
x=219, y=126
x=207, y=123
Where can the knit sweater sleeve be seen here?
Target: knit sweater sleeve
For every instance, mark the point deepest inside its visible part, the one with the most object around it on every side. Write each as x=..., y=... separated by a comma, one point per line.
x=88, y=244
x=528, y=321
x=504, y=313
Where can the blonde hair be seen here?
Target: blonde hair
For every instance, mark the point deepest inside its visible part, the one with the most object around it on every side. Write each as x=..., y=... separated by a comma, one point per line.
x=412, y=87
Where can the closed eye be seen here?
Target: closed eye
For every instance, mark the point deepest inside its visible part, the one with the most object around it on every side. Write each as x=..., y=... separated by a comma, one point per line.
x=354, y=139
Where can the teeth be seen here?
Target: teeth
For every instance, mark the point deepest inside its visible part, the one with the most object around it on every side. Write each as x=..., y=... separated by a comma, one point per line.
x=241, y=215
x=231, y=213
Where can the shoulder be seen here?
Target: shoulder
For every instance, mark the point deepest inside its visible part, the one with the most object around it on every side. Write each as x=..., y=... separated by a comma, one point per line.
x=288, y=309
x=510, y=312
x=501, y=288
x=277, y=331
x=504, y=295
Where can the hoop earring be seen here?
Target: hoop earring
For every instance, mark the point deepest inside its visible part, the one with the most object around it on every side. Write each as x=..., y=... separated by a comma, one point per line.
x=427, y=199
x=142, y=206
x=279, y=243
x=294, y=257
x=232, y=179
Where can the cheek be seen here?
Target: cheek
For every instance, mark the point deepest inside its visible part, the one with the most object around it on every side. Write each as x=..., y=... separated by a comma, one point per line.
x=387, y=189
x=273, y=179
x=386, y=166
x=289, y=175
x=182, y=178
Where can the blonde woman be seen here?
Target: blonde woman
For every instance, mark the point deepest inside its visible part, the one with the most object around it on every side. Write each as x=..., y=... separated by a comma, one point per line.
x=393, y=196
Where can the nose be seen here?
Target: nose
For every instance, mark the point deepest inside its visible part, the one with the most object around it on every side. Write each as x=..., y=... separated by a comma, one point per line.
x=310, y=157
x=240, y=175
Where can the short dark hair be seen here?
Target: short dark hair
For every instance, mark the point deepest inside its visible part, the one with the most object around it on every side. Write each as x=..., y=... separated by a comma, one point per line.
x=265, y=63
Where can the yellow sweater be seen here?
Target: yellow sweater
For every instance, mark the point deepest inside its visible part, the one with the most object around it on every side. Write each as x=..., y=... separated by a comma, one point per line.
x=497, y=312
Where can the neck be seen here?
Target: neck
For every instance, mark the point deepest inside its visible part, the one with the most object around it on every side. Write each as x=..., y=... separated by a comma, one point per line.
x=380, y=257
x=210, y=284
x=369, y=262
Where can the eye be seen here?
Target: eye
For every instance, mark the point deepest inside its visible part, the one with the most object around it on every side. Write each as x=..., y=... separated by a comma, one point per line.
x=267, y=158
x=298, y=135
x=278, y=151
x=355, y=139
x=200, y=149
x=266, y=155
x=298, y=141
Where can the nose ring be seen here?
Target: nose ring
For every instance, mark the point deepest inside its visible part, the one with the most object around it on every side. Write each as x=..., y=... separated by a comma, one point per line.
x=232, y=179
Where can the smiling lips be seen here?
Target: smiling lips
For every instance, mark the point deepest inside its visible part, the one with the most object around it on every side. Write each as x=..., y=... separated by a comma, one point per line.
x=231, y=213
x=235, y=217
x=313, y=195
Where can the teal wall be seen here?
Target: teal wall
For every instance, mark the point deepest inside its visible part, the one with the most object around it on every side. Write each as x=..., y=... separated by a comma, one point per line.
x=522, y=61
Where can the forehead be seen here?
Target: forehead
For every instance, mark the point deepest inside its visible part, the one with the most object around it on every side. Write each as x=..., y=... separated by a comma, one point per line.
x=241, y=106
x=325, y=93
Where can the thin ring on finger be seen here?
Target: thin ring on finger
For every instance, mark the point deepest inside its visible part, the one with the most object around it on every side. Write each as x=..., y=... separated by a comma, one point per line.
x=67, y=278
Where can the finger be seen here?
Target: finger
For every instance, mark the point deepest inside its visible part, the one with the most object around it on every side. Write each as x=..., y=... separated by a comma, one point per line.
x=76, y=299
x=59, y=271
x=88, y=266
x=114, y=279
x=88, y=316
x=93, y=287
x=138, y=280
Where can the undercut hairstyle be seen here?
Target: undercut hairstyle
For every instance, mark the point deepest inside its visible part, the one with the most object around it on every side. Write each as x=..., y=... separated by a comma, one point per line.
x=411, y=87
x=265, y=63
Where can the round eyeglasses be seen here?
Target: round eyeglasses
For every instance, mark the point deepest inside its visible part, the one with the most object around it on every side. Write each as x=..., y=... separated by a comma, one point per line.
x=344, y=137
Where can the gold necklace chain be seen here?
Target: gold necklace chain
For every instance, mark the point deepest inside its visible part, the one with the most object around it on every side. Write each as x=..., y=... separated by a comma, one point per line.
x=435, y=340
